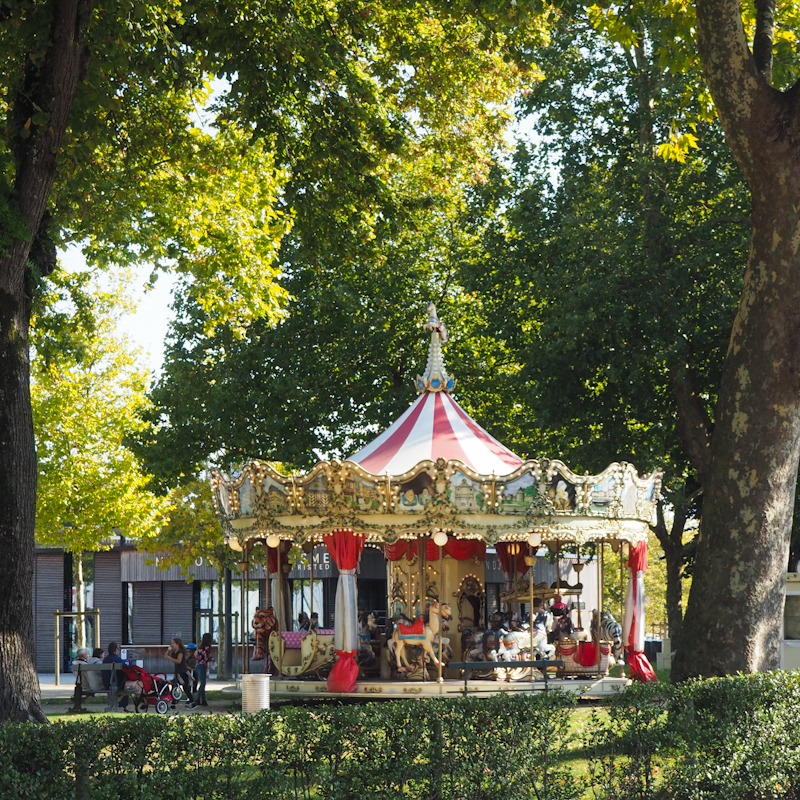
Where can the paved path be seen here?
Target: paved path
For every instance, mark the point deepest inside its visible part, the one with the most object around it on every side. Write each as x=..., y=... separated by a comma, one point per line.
x=66, y=688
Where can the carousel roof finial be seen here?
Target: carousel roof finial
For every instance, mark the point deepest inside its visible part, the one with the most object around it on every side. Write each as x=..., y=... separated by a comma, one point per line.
x=435, y=377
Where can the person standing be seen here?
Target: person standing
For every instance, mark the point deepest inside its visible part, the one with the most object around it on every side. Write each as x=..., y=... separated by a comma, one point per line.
x=178, y=657
x=204, y=658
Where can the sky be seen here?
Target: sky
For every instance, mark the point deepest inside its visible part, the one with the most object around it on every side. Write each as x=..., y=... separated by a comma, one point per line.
x=147, y=327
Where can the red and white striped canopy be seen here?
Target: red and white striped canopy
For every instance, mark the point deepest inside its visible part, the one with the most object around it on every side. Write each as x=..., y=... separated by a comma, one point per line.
x=435, y=426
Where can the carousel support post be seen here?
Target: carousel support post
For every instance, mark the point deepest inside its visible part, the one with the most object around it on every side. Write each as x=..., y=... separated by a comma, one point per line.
x=596, y=631
x=280, y=609
x=311, y=573
x=242, y=566
x=247, y=615
x=530, y=561
x=578, y=567
x=514, y=549
x=558, y=566
x=422, y=551
x=440, y=539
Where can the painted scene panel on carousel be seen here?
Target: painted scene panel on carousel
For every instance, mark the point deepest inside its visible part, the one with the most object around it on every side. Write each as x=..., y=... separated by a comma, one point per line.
x=276, y=497
x=247, y=498
x=414, y=496
x=561, y=494
x=361, y=494
x=466, y=494
x=637, y=496
x=602, y=497
x=518, y=495
x=315, y=494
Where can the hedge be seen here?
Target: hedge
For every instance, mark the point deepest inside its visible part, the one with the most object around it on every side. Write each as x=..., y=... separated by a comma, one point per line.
x=736, y=738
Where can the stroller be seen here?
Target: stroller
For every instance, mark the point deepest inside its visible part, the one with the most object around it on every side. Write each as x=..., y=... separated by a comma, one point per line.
x=156, y=689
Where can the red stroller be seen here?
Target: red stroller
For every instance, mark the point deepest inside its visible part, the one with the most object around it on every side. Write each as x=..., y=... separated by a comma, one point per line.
x=156, y=691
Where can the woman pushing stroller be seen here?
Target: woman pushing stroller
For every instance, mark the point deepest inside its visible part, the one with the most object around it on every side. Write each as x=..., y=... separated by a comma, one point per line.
x=178, y=657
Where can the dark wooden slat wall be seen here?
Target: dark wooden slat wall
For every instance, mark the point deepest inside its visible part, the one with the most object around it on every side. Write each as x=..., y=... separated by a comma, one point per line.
x=108, y=592
x=48, y=596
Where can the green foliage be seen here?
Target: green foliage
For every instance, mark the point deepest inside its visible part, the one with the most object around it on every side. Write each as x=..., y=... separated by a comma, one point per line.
x=734, y=737
x=189, y=530
x=88, y=394
x=503, y=747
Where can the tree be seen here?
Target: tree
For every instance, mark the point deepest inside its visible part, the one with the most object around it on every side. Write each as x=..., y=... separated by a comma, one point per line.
x=87, y=395
x=740, y=568
x=613, y=289
x=191, y=531
x=101, y=100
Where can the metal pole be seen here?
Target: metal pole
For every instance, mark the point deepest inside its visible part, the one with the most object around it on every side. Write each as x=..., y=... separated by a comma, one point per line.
x=241, y=622
x=280, y=612
x=599, y=602
x=530, y=614
x=97, y=627
x=441, y=611
x=247, y=615
x=228, y=641
x=422, y=550
x=58, y=648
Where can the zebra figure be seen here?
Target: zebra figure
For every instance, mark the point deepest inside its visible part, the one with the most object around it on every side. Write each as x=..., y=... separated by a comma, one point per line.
x=610, y=631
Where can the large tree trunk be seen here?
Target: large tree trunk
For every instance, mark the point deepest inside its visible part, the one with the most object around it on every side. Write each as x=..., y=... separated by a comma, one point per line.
x=50, y=84
x=733, y=618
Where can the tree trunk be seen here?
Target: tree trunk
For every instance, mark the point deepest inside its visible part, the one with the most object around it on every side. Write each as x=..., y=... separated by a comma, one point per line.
x=733, y=618
x=671, y=541
x=49, y=84
x=80, y=597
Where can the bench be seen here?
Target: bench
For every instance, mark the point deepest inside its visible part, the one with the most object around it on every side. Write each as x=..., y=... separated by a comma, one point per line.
x=482, y=666
x=80, y=693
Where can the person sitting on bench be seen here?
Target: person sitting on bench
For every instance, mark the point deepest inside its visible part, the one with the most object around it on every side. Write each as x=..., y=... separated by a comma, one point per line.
x=91, y=681
x=113, y=657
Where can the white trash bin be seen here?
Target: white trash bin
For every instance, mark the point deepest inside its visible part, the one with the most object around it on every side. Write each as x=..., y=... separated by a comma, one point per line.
x=255, y=693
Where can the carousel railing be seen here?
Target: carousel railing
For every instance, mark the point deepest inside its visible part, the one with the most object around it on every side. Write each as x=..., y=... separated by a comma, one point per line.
x=481, y=666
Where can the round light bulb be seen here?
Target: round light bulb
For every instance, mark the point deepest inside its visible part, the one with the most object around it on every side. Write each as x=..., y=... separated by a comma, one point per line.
x=273, y=540
x=534, y=539
x=440, y=538
x=234, y=545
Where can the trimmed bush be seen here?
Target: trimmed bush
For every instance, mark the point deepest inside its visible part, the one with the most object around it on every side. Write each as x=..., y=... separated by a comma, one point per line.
x=736, y=738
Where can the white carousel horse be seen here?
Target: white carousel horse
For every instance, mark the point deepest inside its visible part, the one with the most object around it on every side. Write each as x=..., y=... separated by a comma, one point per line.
x=419, y=635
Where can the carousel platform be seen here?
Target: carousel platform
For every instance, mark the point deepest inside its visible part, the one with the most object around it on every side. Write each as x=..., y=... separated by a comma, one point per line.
x=590, y=687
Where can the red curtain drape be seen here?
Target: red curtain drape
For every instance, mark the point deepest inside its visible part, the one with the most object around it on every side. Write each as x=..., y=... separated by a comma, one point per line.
x=345, y=548
x=459, y=549
x=633, y=627
x=506, y=559
x=272, y=556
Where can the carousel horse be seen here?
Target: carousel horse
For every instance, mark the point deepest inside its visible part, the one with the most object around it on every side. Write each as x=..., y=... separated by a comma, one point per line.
x=264, y=622
x=541, y=647
x=419, y=634
x=610, y=631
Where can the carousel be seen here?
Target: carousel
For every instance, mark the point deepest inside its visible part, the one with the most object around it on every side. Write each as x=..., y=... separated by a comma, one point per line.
x=438, y=495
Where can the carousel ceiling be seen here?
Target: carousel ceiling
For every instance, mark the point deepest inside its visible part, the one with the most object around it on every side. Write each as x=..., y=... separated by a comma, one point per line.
x=436, y=469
